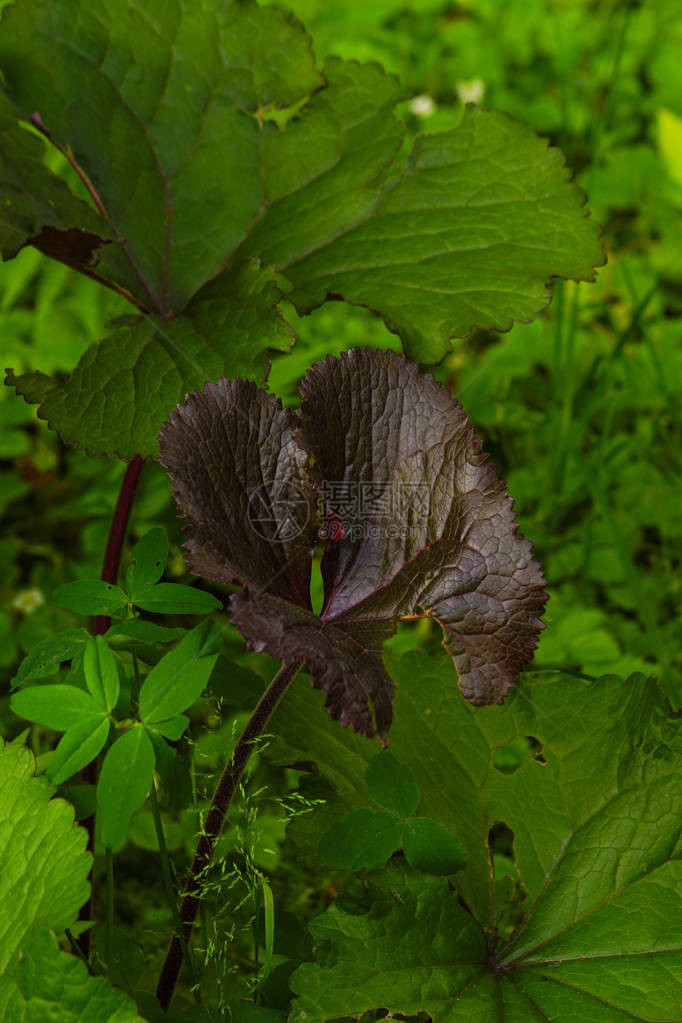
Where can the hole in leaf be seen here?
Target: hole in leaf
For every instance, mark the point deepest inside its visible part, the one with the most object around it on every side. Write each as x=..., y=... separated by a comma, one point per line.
x=511, y=757
x=510, y=893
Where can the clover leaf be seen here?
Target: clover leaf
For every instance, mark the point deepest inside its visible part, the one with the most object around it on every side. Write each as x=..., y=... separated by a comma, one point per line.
x=430, y=529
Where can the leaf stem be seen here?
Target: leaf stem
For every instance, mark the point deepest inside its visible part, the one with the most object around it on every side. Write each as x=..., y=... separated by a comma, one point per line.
x=117, y=533
x=110, y=570
x=109, y=933
x=171, y=893
x=213, y=824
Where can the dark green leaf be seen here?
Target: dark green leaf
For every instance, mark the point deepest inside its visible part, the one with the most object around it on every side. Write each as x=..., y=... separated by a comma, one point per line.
x=144, y=632
x=148, y=561
x=430, y=848
x=78, y=747
x=101, y=673
x=391, y=785
x=176, y=598
x=46, y=657
x=231, y=332
x=55, y=706
x=90, y=597
x=599, y=862
x=124, y=782
x=361, y=838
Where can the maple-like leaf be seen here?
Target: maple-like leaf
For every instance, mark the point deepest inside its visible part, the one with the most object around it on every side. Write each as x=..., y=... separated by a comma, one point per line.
x=416, y=519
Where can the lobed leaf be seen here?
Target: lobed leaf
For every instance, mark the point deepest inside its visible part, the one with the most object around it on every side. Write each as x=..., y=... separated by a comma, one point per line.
x=50, y=984
x=38, y=844
x=437, y=538
x=466, y=233
x=599, y=862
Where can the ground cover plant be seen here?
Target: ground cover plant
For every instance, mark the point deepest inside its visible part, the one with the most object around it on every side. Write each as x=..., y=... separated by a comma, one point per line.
x=290, y=730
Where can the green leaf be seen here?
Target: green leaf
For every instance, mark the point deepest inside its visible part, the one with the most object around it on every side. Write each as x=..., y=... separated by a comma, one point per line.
x=179, y=678
x=124, y=783
x=176, y=598
x=148, y=561
x=189, y=189
x=101, y=673
x=78, y=747
x=467, y=235
x=48, y=984
x=143, y=632
x=55, y=706
x=228, y=330
x=43, y=860
x=312, y=185
x=430, y=848
x=90, y=597
x=37, y=204
x=46, y=657
x=361, y=838
x=172, y=728
x=595, y=841
x=391, y=785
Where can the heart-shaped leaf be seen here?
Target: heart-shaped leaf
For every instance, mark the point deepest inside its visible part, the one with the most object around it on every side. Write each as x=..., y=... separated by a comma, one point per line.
x=416, y=519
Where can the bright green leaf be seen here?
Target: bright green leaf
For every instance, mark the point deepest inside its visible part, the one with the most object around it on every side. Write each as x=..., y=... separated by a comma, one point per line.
x=391, y=785
x=361, y=838
x=430, y=848
x=43, y=860
x=148, y=561
x=46, y=657
x=172, y=728
x=124, y=783
x=48, y=984
x=179, y=678
x=55, y=706
x=101, y=673
x=78, y=747
x=90, y=597
x=176, y=598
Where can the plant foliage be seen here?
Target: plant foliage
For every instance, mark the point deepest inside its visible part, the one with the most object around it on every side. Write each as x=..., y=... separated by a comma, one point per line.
x=186, y=130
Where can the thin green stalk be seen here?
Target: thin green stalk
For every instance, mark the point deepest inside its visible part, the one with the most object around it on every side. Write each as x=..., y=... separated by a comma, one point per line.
x=213, y=825
x=171, y=894
x=109, y=932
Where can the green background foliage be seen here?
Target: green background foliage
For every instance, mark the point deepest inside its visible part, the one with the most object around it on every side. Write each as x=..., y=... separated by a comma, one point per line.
x=580, y=411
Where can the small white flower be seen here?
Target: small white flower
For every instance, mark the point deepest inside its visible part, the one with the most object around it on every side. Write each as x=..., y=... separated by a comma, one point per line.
x=28, y=601
x=472, y=91
x=422, y=106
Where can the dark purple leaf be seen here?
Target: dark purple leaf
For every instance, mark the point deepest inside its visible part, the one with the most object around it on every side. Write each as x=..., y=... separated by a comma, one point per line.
x=415, y=519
